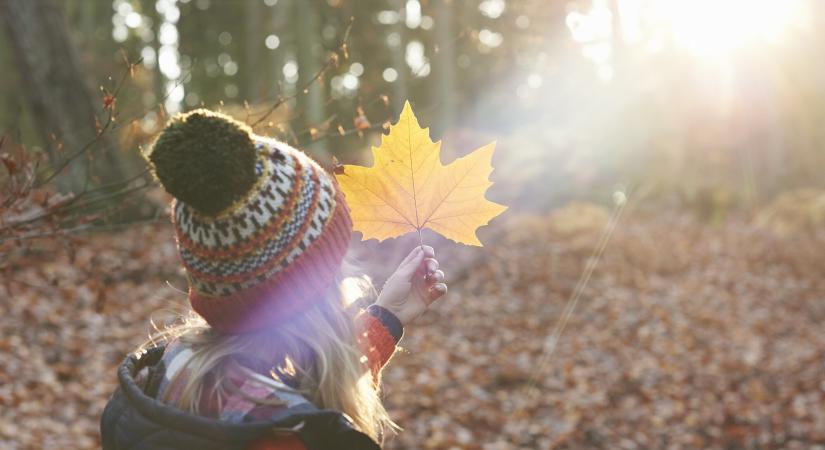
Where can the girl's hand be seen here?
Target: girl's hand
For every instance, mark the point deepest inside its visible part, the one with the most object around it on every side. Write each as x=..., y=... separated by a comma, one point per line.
x=415, y=285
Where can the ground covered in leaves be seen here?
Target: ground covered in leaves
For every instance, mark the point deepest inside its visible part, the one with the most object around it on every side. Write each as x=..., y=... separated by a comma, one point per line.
x=687, y=336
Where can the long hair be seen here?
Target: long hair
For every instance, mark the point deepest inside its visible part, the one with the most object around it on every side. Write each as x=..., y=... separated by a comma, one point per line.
x=317, y=347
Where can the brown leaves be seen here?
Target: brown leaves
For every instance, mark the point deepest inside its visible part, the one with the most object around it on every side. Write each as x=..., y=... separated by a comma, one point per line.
x=9, y=163
x=361, y=122
x=688, y=336
x=64, y=325
x=109, y=101
x=16, y=159
x=7, y=159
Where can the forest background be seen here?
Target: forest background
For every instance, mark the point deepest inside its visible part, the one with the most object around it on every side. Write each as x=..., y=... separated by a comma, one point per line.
x=662, y=161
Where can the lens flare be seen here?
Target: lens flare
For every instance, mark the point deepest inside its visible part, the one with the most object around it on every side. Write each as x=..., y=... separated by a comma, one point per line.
x=705, y=28
x=714, y=27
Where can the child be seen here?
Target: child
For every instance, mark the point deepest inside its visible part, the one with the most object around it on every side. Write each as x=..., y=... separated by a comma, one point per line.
x=273, y=359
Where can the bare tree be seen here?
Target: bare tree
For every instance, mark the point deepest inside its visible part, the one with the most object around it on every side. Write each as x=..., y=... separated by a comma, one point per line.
x=252, y=66
x=307, y=16
x=60, y=101
x=445, y=63
x=400, y=88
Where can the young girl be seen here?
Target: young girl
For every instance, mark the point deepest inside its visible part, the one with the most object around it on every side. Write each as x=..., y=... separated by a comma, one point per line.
x=273, y=359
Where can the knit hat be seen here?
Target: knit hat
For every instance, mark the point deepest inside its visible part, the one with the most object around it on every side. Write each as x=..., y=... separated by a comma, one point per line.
x=261, y=228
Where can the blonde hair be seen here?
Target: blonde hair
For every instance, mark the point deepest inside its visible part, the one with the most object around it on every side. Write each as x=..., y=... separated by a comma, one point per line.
x=318, y=347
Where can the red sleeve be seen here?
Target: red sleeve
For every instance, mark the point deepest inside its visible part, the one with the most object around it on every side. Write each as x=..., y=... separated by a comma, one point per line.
x=375, y=341
x=290, y=442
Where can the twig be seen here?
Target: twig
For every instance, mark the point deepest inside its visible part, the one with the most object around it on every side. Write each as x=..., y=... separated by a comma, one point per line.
x=65, y=207
x=86, y=228
x=109, y=120
x=331, y=61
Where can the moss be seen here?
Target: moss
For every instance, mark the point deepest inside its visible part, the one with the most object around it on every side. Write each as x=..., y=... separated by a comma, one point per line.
x=204, y=159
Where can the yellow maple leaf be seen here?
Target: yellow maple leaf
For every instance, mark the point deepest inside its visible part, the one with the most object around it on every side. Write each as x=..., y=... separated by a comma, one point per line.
x=409, y=189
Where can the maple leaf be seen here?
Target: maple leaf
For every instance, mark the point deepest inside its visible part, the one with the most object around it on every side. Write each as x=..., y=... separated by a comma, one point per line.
x=409, y=189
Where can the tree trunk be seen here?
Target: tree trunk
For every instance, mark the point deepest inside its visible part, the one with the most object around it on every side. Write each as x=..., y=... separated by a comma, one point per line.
x=308, y=43
x=158, y=80
x=253, y=47
x=278, y=23
x=445, y=66
x=61, y=104
x=399, y=95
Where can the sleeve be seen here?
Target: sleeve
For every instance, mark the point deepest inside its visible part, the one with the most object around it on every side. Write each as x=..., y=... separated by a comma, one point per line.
x=378, y=332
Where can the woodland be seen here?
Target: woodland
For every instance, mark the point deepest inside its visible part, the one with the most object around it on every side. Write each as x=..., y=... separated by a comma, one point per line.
x=657, y=280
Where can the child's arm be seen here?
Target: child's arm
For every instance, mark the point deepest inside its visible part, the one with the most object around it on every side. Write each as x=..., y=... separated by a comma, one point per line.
x=378, y=332
x=407, y=293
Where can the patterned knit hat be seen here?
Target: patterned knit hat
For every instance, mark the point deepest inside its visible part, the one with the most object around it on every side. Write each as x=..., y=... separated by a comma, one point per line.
x=261, y=228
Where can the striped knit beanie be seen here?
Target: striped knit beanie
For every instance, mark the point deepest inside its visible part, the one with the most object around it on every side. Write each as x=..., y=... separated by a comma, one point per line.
x=261, y=228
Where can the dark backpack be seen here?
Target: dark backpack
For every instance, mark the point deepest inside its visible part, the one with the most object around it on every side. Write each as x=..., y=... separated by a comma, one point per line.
x=135, y=420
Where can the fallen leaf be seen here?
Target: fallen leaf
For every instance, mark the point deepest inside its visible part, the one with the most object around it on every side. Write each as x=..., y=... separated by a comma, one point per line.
x=109, y=101
x=360, y=121
x=409, y=189
x=8, y=161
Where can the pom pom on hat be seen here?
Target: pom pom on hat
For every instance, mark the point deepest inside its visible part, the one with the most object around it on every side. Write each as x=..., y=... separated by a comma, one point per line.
x=205, y=159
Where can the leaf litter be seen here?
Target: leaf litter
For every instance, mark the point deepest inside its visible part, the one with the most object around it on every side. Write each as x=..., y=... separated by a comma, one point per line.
x=687, y=336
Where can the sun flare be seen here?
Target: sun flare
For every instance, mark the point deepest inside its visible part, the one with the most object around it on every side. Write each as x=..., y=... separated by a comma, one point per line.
x=705, y=28
x=718, y=27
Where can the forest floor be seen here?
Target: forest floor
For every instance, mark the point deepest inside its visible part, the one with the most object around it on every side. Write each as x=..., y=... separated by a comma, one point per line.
x=687, y=336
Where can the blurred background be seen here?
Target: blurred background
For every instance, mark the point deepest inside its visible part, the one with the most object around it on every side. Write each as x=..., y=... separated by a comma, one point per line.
x=675, y=146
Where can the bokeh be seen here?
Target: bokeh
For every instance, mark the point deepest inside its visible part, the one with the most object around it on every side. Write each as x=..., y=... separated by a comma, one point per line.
x=657, y=283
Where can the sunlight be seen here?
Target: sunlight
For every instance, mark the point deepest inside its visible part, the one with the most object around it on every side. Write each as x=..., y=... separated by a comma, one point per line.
x=355, y=288
x=713, y=27
x=705, y=28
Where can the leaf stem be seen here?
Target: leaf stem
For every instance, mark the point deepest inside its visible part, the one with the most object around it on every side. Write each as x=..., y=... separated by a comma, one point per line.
x=412, y=179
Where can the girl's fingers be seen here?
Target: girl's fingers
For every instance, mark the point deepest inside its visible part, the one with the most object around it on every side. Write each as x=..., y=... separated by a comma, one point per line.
x=430, y=265
x=435, y=277
x=410, y=256
x=436, y=291
x=408, y=269
x=428, y=251
x=412, y=262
